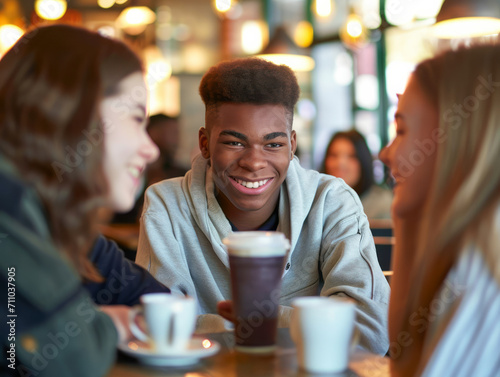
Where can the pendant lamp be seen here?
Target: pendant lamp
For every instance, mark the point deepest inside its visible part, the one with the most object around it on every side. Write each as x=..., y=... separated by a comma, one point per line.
x=281, y=49
x=467, y=19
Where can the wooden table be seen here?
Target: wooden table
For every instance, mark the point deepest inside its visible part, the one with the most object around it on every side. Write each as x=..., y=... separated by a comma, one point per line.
x=229, y=363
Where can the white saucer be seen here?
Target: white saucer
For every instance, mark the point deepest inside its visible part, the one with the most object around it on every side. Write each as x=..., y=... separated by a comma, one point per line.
x=198, y=348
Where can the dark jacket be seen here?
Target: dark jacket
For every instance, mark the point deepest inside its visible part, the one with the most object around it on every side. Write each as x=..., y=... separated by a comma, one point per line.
x=51, y=327
x=125, y=281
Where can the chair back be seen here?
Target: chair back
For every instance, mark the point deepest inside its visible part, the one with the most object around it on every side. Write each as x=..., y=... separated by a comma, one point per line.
x=383, y=247
x=381, y=227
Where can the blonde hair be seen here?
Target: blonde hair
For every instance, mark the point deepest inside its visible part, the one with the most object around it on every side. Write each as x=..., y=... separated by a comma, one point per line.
x=464, y=193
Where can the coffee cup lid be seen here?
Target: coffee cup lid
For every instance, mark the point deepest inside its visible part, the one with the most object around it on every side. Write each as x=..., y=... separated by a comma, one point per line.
x=256, y=243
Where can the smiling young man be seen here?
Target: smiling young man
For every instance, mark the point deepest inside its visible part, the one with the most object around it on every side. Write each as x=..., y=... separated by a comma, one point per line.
x=247, y=178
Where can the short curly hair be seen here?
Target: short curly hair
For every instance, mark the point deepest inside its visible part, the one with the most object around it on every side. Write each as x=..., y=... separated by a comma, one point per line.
x=249, y=80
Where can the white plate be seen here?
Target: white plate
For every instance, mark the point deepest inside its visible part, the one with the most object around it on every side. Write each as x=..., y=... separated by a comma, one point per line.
x=198, y=348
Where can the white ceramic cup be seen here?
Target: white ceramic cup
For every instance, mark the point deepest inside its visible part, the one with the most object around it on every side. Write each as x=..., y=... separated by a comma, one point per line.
x=170, y=321
x=322, y=329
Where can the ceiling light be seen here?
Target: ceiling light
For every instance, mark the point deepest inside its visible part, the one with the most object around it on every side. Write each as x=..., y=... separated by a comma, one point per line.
x=134, y=20
x=9, y=34
x=50, y=9
x=467, y=19
x=282, y=50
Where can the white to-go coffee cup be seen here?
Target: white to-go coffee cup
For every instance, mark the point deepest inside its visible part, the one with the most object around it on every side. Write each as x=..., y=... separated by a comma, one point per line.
x=170, y=321
x=322, y=329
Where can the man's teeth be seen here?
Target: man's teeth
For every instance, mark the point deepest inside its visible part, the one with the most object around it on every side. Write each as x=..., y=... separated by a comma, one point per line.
x=252, y=184
x=134, y=172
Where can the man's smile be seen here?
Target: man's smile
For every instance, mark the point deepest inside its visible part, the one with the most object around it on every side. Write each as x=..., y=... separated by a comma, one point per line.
x=251, y=187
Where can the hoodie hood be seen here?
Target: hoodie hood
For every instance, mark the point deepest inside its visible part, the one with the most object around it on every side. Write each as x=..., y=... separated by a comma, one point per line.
x=199, y=189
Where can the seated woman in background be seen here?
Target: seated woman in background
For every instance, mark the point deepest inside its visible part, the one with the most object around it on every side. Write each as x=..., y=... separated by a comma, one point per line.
x=445, y=301
x=348, y=157
x=72, y=139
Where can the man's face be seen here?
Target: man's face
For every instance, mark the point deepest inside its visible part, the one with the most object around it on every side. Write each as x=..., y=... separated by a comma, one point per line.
x=250, y=148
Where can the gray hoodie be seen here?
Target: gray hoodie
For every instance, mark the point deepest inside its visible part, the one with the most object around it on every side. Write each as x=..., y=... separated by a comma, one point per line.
x=332, y=250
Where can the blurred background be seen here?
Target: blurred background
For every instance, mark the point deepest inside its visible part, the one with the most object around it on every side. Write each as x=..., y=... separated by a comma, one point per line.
x=352, y=57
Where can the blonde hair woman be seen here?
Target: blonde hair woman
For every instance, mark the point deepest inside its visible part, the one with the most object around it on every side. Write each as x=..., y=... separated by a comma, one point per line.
x=445, y=303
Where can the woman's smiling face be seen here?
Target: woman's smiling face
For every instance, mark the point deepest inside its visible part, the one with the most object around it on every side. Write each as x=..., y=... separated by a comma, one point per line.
x=412, y=167
x=249, y=148
x=127, y=146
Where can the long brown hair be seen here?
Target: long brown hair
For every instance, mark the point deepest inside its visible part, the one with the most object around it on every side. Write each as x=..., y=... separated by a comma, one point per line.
x=464, y=194
x=51, y=84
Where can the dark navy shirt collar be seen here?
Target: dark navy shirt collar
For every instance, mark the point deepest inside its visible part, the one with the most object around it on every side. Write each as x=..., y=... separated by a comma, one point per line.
x=270, y=224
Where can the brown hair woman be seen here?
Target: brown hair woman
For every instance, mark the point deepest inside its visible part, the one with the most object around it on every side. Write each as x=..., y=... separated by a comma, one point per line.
x=72, y=139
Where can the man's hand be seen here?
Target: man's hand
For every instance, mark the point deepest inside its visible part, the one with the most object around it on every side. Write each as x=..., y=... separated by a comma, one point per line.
x=225, y=310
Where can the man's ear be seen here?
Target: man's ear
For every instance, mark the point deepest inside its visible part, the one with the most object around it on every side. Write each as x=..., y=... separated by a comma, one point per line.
x=203, y=142
x=293, y=142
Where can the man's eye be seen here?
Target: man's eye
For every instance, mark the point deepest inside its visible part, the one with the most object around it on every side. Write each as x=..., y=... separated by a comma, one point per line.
x=274, y=145
x=234, y=143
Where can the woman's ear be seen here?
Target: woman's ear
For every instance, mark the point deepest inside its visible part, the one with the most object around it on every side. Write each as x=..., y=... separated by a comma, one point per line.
x=203, y=141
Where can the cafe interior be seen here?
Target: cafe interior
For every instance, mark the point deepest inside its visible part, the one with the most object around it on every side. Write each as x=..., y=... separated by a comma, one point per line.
x=351, y=57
